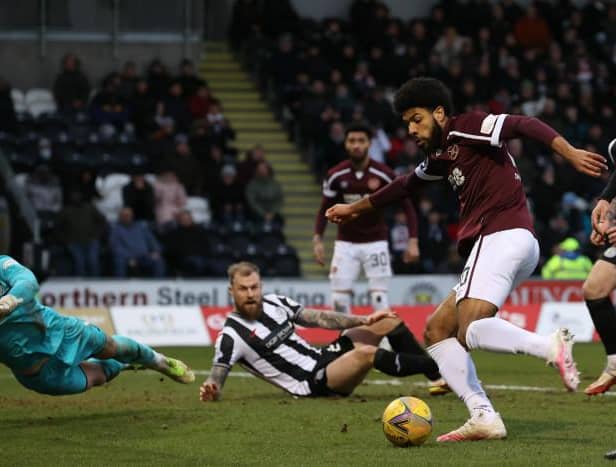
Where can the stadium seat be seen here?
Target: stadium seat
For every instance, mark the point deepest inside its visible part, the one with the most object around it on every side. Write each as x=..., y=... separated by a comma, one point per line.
x=110, y=205
x=285, y=265
x=19, y=102
x=40, y=101
x=111, y=183
x=199, y=209
x=240, y=244
x=20, y=180
x=269, y=243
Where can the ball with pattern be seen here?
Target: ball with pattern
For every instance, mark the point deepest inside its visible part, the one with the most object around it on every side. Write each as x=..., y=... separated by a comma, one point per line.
x=407, y=421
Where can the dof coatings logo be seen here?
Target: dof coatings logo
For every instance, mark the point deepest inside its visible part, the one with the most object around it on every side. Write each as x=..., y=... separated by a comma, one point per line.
x=158, y=320
x=423, y=293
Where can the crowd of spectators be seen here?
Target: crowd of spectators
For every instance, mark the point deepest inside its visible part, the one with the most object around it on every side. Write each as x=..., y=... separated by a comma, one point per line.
x=170, y=127
x=553, y=60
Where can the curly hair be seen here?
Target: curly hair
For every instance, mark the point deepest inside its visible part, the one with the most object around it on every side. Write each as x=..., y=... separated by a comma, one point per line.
x=358, y=127
x=423, y=92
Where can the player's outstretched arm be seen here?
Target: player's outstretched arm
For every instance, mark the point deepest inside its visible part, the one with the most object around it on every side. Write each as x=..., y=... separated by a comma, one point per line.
x=327, y=319
x=586, y=162
x=22, y=282
x=211, y=388
x=515, y=126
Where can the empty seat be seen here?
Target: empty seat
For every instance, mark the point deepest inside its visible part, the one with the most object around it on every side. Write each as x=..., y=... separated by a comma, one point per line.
x=19, y=102
x=269, y=243
x=39, y=101
x=285, y=265
x=199, y=209
x=111, y=183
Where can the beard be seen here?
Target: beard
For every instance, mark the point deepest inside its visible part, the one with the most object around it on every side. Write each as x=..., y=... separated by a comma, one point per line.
x=436, y=137
x=251, y=309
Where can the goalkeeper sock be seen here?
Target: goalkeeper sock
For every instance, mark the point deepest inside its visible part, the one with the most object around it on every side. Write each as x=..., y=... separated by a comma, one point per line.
x=111, y=367
x=604, y=318
x=402, y=340
x=402, y=364
x=131, y=351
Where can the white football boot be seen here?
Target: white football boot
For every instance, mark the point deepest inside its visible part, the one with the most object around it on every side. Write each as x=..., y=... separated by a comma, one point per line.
x=561, y=358
x=482, y=426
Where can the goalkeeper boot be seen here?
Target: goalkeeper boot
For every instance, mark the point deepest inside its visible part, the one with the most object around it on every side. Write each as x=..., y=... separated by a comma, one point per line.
x=479, y=427
x=177, y=370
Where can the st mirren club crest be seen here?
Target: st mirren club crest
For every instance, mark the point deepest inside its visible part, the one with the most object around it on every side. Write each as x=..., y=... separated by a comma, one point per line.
x=374, y=184
x=453, y=151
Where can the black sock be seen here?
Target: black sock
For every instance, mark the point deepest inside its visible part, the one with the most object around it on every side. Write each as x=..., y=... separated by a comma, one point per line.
x=402, y=340
x=403, y=364
x=603, y=316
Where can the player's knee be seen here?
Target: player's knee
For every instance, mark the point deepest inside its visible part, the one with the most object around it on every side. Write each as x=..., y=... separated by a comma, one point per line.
x=433, y=333
x=366, y=353
x=342, y=301
x=595, y=289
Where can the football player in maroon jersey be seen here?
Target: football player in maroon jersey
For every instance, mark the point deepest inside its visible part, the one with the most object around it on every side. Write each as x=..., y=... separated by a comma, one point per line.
x=469, y=150
x=362, y=243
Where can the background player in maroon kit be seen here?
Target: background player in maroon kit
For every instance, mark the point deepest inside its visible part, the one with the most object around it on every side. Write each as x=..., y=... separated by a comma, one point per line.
x=362, y=243
x=496, y=233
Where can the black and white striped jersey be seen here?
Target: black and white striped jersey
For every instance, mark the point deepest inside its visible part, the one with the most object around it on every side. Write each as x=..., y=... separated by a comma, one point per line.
x=269, y=347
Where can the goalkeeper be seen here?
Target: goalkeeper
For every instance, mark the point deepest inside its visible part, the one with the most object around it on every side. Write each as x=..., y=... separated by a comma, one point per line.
x=54, y=354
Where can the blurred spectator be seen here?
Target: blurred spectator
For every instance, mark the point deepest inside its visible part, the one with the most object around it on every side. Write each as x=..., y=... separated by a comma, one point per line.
x=246, y=168
x=264, y=195
x=227, y=197
x=80, y=226
x=158, y=79
x=83, y=181
x=144, y=108
x=379, y=145
x=331, y=151
x=433, y=242
x=138, y=195
x=134, y=246
x=220, y=132
x=44, y=190
x=187, y=246
x=108, y=107
x=567, y=263
x=128, y=81
x=71, y=88
x=174, y=106
x=449, y=46
x=8, y=119
x=185, y=166
x=200, y=102
x=244, y=16
x=531, y=30
x=188, y=79
x=170, y=198
x=399, y=241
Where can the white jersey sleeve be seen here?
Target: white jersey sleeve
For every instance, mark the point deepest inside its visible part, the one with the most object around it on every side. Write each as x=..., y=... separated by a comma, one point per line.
x=226, y=350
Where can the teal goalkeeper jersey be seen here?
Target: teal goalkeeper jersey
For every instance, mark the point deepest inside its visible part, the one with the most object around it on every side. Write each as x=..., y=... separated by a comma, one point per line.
x=31, y=331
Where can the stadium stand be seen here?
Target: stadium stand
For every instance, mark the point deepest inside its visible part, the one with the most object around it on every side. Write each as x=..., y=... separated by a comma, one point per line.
x=157, y=142
x=539, y=60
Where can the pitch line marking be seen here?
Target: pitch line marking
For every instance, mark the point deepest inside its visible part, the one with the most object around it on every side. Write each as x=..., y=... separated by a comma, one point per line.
x=398, y=382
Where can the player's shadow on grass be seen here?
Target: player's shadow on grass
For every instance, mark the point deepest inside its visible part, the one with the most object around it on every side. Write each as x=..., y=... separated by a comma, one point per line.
x=531, y=430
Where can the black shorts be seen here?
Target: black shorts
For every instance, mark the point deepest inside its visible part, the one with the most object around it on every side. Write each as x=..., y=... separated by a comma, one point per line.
x=318, y=378
x=609, y=255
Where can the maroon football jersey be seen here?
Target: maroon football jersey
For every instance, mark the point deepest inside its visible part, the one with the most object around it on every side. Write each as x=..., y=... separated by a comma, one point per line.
x=345, y=185
x=475, y=161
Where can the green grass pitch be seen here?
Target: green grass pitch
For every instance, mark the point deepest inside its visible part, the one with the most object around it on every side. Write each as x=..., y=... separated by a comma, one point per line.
x=142, y=419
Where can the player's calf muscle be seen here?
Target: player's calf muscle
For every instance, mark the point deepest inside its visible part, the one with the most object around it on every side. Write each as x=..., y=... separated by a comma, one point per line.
x=600, y=282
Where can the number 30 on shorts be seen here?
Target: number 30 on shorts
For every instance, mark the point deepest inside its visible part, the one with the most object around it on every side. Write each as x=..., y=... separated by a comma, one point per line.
x=379, y=259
